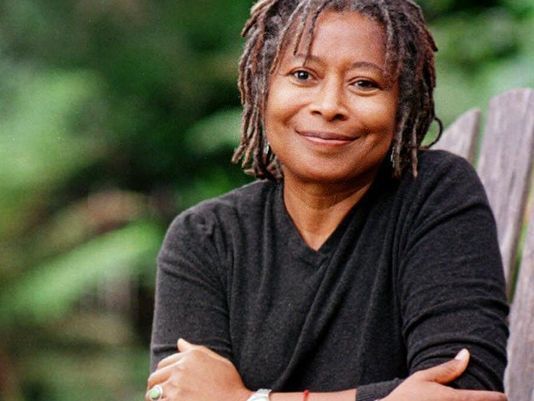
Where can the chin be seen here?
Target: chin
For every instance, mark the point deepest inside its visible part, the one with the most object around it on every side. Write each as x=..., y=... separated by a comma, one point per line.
x=320, y=174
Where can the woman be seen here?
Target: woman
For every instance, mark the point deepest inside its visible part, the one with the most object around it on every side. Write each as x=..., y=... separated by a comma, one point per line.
x=362, y=264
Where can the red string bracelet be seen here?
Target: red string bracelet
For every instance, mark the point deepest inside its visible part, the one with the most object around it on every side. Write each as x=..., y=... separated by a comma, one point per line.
x=305, y=395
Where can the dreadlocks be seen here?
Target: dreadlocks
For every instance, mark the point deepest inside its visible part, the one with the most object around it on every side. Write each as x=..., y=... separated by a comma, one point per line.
x=409, y=59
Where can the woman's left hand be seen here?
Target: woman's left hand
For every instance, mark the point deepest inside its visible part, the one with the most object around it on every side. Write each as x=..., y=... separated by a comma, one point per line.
x=196, y=373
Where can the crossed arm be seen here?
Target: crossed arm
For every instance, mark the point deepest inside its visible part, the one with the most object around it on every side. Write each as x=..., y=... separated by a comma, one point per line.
x=196, y=373
x=456, y=234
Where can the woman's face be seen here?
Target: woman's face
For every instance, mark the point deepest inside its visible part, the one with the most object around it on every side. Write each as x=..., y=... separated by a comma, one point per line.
x=333, y=119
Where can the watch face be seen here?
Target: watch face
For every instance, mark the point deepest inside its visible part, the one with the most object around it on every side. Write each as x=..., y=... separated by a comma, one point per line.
x=260, y=395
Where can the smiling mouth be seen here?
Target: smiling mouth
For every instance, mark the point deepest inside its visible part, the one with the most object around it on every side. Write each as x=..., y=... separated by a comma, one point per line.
x=325, y=137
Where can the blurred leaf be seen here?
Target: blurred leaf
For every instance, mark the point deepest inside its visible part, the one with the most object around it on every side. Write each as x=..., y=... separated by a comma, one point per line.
x=470, y=72
x=50, y=290
x=207, y=187
x=214, y=132
x=39, y=147
x=523, y=7
x=77, y=222
x=111, y=374
x=89, y=330
x=497, y=27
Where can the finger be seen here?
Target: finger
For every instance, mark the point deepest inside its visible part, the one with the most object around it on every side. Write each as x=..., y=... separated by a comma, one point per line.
x=448, y=371
x=171, y=359
x=184, y=345
x=160, y=376
x=480, y=395
x=154, y=393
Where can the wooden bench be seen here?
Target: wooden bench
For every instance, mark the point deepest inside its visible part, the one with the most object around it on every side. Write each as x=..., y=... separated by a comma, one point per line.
x=504, y=157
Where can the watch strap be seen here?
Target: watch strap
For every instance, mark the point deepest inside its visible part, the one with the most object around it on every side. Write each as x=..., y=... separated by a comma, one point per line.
x=261, y=395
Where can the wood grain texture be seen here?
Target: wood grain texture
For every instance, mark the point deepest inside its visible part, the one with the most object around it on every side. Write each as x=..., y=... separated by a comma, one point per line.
x=505, y=164
x=462, y=136
x=505, y=168
x=519, y=376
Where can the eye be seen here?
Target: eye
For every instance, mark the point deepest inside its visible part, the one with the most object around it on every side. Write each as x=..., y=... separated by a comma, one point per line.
x=366, y=84
x=301, y=75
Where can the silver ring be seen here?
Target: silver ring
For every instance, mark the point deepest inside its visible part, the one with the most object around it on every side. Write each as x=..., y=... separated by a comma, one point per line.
x=156, y=392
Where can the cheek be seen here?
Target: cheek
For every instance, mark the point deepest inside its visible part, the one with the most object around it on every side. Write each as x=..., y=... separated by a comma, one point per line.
x=279, y=105
x=379, y=116
x=283, y=103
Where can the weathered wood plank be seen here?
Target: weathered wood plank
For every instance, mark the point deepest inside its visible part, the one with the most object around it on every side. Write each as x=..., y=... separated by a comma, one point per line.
x=519, y=377
x=505, y=164
x=462, y=136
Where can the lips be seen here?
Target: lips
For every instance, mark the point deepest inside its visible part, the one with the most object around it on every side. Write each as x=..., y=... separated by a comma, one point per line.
x=327, y=137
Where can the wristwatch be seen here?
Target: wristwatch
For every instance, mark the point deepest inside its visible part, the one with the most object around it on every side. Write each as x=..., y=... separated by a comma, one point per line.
x=260, y=395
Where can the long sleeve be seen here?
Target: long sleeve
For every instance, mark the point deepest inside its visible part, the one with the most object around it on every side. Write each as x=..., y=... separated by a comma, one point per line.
x=449, y=280
x=190, y=300
x=411, y=276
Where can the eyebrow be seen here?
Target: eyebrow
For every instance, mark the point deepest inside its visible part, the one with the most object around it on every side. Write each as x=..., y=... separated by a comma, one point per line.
x=357, y=64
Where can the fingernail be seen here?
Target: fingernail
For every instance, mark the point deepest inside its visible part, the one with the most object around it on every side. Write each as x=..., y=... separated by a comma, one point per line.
x=462, y=355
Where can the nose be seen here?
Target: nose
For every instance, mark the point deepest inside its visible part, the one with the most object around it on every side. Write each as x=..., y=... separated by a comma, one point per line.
x=329, y=101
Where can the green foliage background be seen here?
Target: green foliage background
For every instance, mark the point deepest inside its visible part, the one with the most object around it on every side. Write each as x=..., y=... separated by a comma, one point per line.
x=114, y=116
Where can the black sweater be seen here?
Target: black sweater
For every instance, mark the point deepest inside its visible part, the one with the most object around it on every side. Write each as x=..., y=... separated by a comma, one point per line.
x=411, y=275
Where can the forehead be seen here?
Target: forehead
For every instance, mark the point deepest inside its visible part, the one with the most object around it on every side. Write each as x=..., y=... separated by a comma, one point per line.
x=349, y=25
x=338, y=33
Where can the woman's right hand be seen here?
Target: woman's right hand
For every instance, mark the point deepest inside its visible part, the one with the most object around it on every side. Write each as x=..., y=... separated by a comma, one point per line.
x=429, y=384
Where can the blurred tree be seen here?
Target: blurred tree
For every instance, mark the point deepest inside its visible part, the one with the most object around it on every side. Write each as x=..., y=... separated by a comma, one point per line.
x=114, y=116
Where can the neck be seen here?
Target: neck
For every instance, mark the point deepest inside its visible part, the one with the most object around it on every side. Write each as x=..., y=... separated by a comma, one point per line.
x=317, y=210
